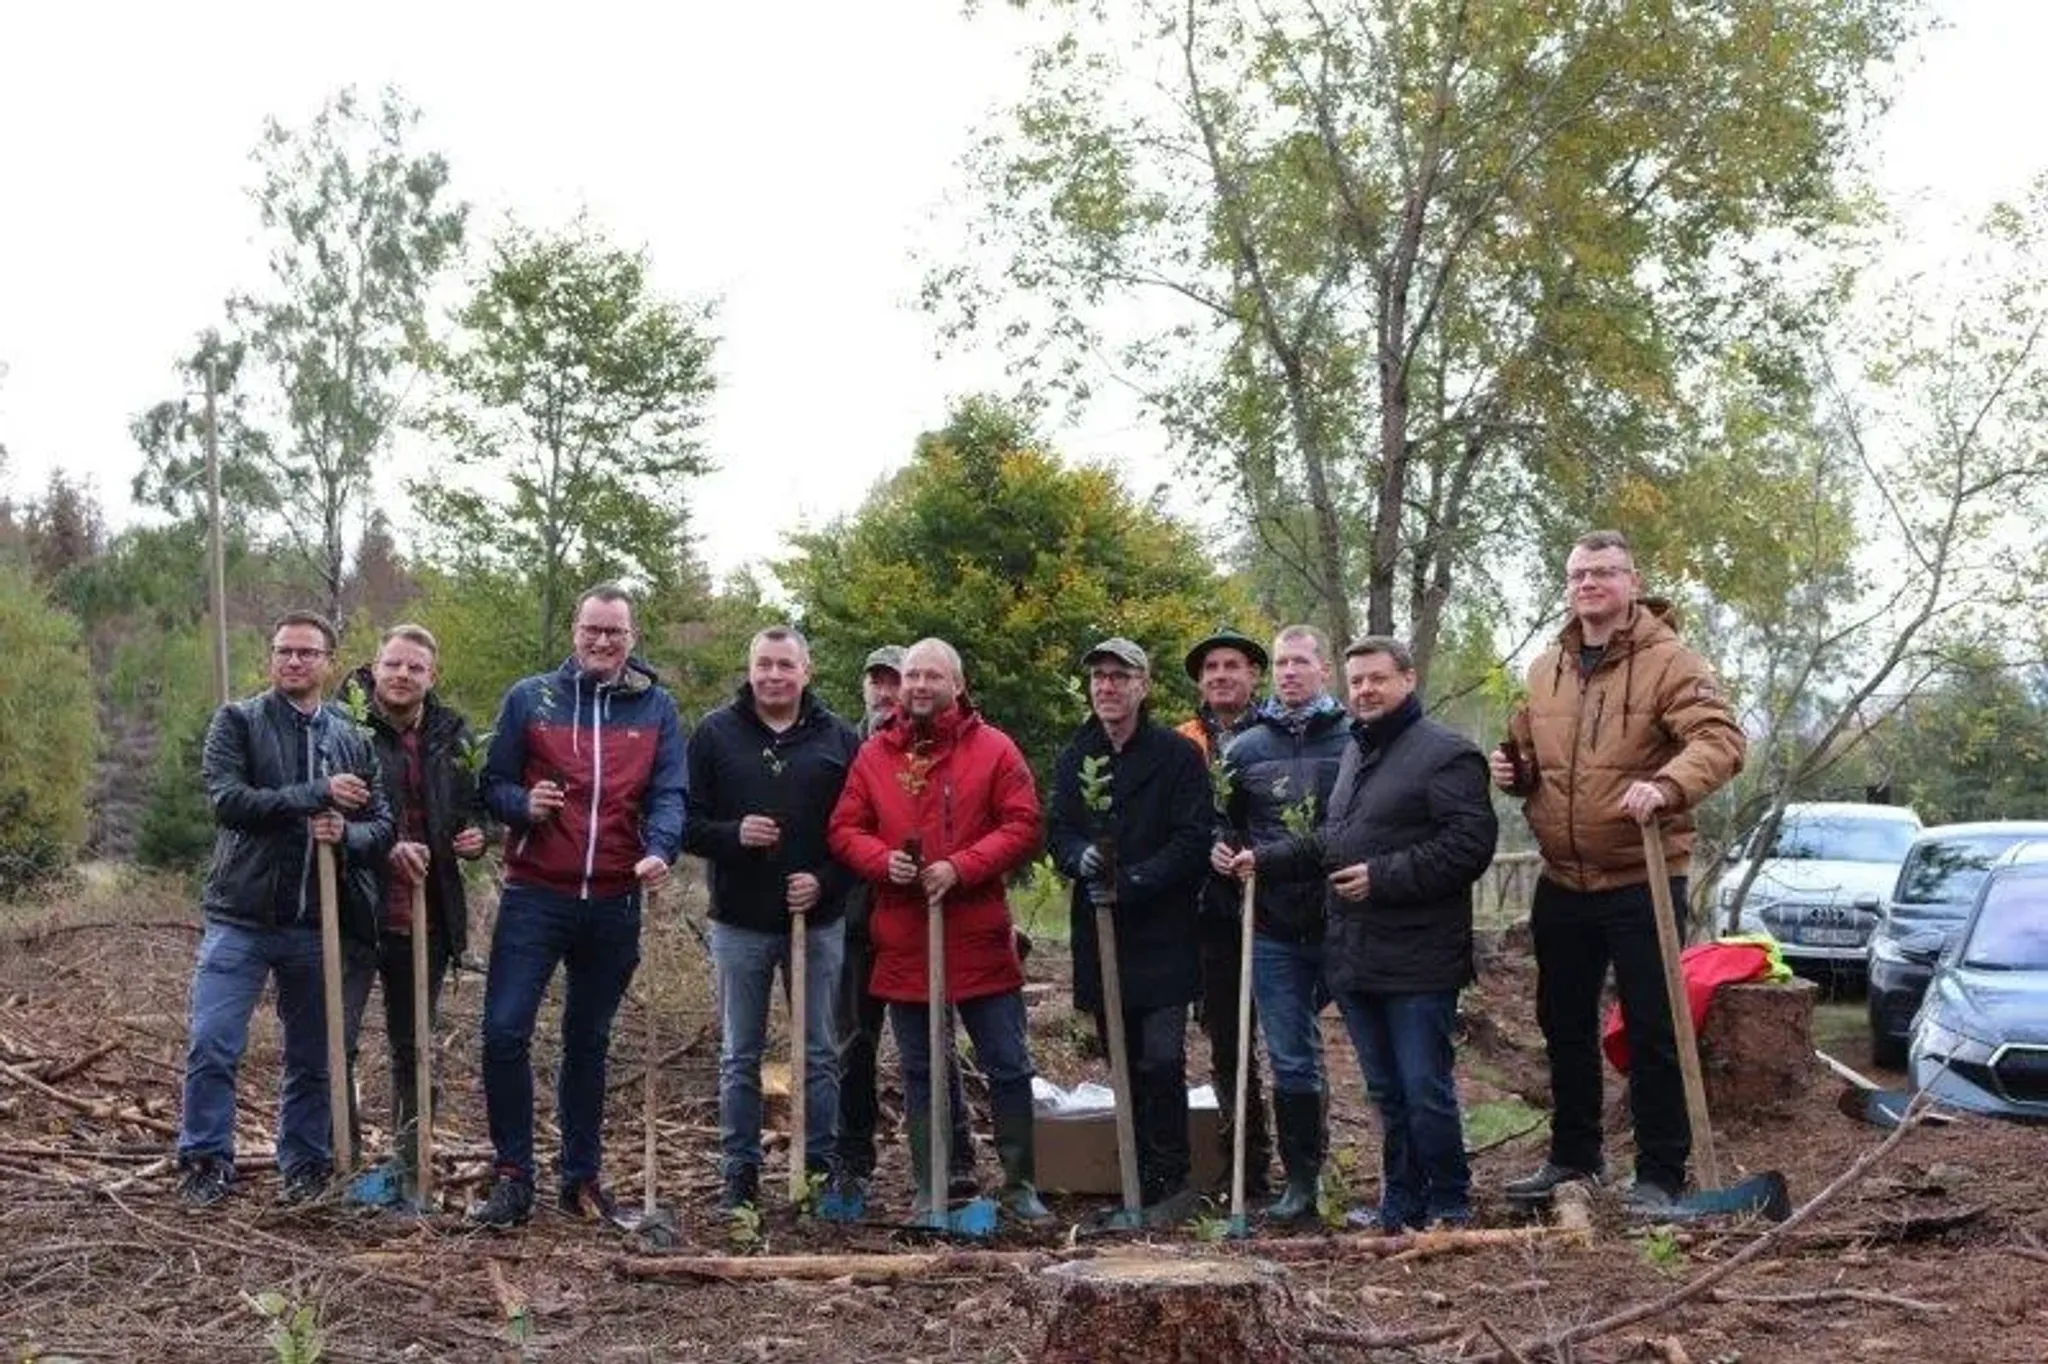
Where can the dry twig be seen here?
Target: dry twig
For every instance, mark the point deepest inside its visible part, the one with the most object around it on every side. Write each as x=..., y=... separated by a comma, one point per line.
x=1816, y=1296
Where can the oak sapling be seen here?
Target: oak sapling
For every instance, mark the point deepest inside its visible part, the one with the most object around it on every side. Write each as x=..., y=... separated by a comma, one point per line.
x=1098, y=783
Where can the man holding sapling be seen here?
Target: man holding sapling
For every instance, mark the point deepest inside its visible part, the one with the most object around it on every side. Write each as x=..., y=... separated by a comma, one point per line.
x=1131, y=827
x=939, y=809
x=1283, y=768
x=1410, y=827
x=586, y=769
x=861, y=1011
x=429, y=762
x=765, y=771
x=284, y=774
x=1227, y=668
x=1623, y=725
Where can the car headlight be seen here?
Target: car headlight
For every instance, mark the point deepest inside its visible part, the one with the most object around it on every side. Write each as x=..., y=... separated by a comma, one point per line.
x=1937, y=1042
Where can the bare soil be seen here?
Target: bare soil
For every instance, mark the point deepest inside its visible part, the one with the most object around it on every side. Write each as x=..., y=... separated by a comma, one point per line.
x=99, y=1260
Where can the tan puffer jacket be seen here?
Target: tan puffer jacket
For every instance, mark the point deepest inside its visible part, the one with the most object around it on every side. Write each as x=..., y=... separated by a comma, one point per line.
x=1652, y=710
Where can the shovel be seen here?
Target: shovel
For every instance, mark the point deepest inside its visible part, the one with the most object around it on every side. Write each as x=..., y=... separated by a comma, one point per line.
x=1239, y=1226
x=423, y=1057
x=330, y=979
x=799, y=1058
x=976, y=1218
x=1761, y=1193
x=1130, y=1216
x=654, y=1224
x=1868, y=1101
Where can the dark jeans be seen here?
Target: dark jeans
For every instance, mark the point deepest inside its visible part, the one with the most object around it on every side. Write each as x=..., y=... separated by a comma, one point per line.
x=391, y=963
x=1220, y=960
x=1404, y=1047
x=1577, y=933
x=598, y=942
x=860, y=1017
x=994, y=1023
x=235, y=963
x=1155, y=1051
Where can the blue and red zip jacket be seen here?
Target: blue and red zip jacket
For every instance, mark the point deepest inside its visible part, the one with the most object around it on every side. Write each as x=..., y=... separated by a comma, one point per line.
x=617, y=749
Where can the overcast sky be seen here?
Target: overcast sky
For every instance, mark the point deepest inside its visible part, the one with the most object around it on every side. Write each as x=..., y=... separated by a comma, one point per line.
x=784, y=160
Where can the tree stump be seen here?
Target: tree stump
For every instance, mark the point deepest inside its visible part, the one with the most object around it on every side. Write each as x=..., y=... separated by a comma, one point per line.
x=1757, y=1047
x=1168, y=1311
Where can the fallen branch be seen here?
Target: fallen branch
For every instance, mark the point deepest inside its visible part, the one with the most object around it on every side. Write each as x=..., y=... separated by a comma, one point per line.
x=71, y=1068
x=1816, y=1296
x=1560, y=1342
x=2034, y=1253
x=103, y=1110
x=1378, y=1340
x=1501, y=1342
x=1412, y=1245
x=1669, y=1350
x=735, y=1268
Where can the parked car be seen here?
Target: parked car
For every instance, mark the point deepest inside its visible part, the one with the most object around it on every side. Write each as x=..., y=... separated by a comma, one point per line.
x=1822, y=880
x=1980, y=1040
x=1937, y=884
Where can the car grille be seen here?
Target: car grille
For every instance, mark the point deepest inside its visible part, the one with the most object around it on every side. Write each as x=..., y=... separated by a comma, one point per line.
x=1819, y=923
x=2022, y=1074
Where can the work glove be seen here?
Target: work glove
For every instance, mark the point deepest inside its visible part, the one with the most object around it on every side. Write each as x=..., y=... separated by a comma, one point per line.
x=1101, y=894
x=1090, y=863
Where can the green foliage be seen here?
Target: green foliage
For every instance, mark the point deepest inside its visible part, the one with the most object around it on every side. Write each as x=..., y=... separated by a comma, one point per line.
x=173, y=433
x=1222, y=784
x=1430, y=279
x=1974, y=746
x=1662, y=1250
x=746, y=1230
x=574, y=398
x=1337, y=1194
x=1039, y=903
x=49, y=733
x=1299, y=816
x=358, y=228
x=294, y=1334
x=1098, y=782
x=1017, y=560
x=177, y=826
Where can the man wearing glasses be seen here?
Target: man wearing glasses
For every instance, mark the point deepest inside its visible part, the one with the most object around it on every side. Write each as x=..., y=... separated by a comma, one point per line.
x=1143, y=854
x=1623, y=724
x=586, y=769
x=284, y=772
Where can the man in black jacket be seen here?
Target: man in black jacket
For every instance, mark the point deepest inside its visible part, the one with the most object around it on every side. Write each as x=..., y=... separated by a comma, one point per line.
x=1410, y=828
x=1281, y=772
x=428, y=760
x=283, y=774
x=860, y=1014
x=1141, y=852
x=765, y=772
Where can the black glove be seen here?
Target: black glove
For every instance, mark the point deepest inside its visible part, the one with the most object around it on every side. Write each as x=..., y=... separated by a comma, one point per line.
x=1101, y=894
x=1090, y=863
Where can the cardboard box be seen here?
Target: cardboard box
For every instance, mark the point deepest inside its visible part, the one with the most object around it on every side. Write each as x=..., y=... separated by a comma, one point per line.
x=1077, y=1152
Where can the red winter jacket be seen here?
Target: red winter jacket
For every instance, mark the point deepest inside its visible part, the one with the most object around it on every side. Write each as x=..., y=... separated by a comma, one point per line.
x=968, y=794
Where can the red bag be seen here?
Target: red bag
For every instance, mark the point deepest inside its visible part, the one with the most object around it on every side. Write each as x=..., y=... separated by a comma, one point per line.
x=1706, y=968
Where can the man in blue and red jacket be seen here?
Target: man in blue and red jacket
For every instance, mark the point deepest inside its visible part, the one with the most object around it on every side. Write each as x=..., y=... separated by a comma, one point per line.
x=586, y=769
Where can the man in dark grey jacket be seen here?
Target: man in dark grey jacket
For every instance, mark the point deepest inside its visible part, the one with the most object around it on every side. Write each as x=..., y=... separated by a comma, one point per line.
x=1410, y=828
x=284, y=773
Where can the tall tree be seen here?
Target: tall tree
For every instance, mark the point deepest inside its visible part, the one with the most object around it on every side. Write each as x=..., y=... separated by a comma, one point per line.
x=1021, y=562
x=1426, y=276
x=173, y=434
x=575, y=394
x=358, y=227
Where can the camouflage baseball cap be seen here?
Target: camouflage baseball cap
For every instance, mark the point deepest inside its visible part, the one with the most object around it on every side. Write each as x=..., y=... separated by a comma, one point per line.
x=1120, y=649
x=889, y=656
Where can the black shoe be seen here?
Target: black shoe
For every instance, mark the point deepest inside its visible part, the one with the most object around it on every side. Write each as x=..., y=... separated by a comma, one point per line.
x=962, y=1183
x=1647, y=1198
x=1299, y=1120
x=742, y=1188
x=510, y=1203
x=1538, y=1187
x=206, y=1182
x=304, y=1183
x=1171, y=1209
x=587, y=1201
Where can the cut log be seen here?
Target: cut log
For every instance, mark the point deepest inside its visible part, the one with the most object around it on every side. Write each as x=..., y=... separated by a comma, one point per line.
x=1756, y=1050
x=1148, y=1310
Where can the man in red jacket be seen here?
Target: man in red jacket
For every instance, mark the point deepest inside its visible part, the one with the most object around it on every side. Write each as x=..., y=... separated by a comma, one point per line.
x=940, y=806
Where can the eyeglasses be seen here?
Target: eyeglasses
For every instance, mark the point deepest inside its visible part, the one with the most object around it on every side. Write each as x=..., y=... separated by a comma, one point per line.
x=1599, y=573
x=287, y=654
x=605, y=632
x=1114, y=679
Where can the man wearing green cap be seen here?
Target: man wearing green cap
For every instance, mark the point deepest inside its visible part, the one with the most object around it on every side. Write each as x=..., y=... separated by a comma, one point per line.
x=1227, y=668
x=1141, y=854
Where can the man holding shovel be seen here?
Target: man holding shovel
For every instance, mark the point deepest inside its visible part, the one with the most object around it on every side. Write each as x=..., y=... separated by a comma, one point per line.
x=284, y=775
x=1623, y=726
x=1130, y=826
x=765, y=771
x=428, y=760
x=587, y=771
x=939, y=809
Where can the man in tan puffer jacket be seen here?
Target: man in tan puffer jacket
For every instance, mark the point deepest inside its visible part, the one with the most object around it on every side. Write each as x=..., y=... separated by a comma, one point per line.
x=1623, y=725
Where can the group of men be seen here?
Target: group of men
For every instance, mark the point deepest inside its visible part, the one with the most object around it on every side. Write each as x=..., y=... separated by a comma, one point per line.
x=1355, y=831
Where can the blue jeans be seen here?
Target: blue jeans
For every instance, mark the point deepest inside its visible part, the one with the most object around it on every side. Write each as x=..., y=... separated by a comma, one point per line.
x=598, y=942
x=1404, y=1047
x=994, y=1023
x=234, y=965
x=746, y=961
x=1287, y=983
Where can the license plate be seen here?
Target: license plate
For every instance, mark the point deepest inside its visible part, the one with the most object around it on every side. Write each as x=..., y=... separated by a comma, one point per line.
x=1832, y=937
